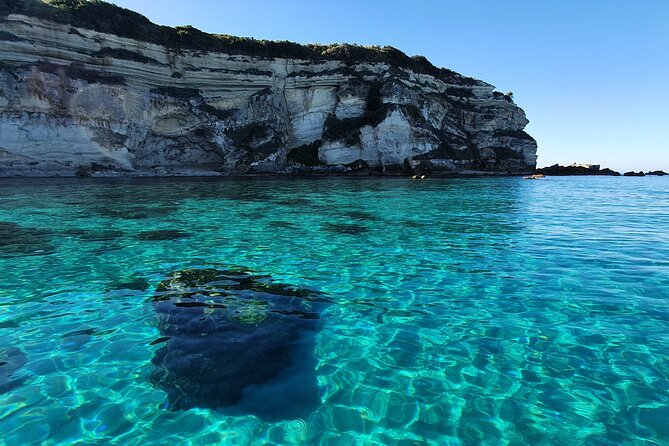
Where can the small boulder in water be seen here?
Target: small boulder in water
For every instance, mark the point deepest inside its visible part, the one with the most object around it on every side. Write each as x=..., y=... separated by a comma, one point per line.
x=236, y=340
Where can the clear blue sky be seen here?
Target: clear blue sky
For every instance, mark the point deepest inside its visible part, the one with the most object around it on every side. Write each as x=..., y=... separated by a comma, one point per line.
x=592, y=75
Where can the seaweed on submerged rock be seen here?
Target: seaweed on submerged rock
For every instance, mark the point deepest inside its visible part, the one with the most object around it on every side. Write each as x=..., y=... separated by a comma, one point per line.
x=238, y=342
x=162, y=234
x=19, y=240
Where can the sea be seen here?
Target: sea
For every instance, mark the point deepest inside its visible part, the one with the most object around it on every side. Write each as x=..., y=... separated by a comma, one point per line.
x=334, y=311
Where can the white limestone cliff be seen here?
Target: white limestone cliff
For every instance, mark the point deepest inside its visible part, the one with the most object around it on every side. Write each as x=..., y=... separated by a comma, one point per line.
x=78, y=100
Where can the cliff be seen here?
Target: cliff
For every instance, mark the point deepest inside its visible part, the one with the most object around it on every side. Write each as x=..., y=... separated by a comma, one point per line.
x=89, y=87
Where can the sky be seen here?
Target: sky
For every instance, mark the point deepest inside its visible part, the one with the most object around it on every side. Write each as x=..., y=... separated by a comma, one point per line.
x=592, y=76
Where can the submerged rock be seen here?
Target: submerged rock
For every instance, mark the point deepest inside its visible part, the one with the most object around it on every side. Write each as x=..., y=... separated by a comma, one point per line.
x=345, y=228
x=19, y=240
x=237, y=341
x=133, y=211
x=11, y=360
x=162, y=234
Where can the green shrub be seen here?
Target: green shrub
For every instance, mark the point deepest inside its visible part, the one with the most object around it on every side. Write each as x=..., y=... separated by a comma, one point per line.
x=108, y=18
x=502, y=97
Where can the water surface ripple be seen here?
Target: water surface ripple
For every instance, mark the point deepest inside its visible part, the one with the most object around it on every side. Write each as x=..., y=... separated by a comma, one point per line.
x=461, y=311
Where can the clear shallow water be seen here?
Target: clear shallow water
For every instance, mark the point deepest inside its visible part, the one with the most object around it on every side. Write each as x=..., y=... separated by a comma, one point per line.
x=479, y=311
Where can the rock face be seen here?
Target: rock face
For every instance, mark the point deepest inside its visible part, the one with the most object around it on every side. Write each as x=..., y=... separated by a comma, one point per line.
x=576, y=169
x=77, y=99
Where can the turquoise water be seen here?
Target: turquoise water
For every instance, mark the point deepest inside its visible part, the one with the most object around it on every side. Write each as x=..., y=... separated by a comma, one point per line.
x=455, y=311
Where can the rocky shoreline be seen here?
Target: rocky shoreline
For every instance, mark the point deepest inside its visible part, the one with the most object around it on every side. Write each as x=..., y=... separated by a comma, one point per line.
x=590, y=169
x=352, y=170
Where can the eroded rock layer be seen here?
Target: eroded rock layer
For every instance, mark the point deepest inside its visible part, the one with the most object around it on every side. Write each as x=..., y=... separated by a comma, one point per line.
x=74, y=99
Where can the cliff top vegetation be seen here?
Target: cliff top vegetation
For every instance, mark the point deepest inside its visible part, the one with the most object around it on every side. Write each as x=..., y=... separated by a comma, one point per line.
x=106, y=17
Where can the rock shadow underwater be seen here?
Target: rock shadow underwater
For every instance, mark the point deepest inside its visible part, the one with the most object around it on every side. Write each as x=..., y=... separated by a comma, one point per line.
x=12, y=360
x=17, y=240
x=237, y=342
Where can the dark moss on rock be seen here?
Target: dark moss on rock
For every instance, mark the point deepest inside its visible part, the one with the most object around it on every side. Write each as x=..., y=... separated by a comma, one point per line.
x=237, y=341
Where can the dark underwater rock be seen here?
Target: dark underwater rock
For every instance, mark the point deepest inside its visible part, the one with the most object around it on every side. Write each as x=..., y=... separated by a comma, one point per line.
x=19, y=240
x=134, y=283
x=96, y=235
x=345, y=228
x=361, y=215
x=237, y=341
x=282, y=224
x=162, y=234
x=133, y=211
x=11, y=360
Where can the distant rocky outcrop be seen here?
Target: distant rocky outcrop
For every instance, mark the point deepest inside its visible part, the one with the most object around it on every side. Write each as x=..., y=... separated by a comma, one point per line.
x=95, y=89
x=576, y=169
x=634, y=174
x=659, y=173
